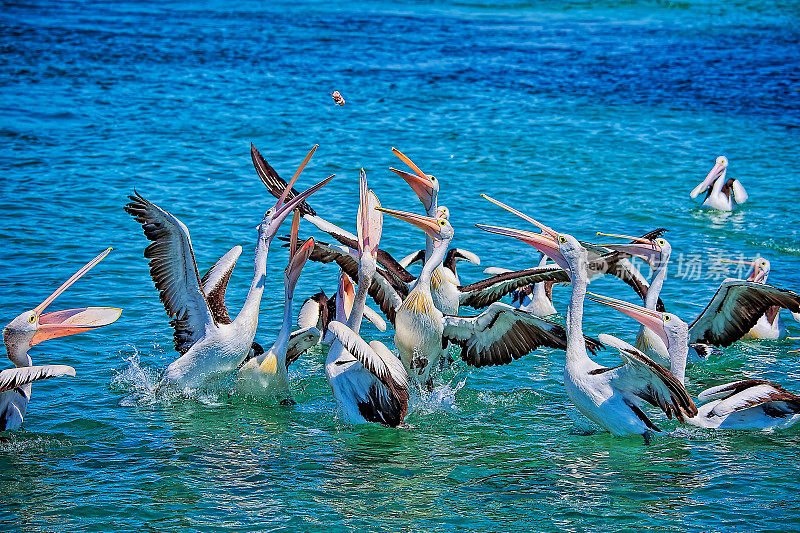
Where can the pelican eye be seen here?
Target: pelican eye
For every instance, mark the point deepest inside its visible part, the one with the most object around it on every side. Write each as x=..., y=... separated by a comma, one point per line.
x=661, y=242
x=562, y=239
x=442, y=222
x=32, y=319
x=666, y=318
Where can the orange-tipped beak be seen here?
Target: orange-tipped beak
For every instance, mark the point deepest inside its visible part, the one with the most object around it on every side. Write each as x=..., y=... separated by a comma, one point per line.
x=652, y=320
x=421, y=185
x=542, y=242
x=757, y=275
x=427, y=224
x=296, y=175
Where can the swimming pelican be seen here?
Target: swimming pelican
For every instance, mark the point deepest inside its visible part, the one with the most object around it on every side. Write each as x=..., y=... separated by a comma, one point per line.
x=610, y=397
x=210, y=344
x=746, y=404
x=499, y=335
x=367, y=380
x=769, y=324
x=267, y=374
x=32, y=327
x=722, y=194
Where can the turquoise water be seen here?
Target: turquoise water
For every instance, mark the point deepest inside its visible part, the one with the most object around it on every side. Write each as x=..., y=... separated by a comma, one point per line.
x=588, y=116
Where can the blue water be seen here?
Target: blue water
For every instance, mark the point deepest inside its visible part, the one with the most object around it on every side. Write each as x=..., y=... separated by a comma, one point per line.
x=588, y=116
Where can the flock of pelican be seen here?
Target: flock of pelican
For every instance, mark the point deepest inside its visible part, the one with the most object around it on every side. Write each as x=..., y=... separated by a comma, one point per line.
x=371, y=383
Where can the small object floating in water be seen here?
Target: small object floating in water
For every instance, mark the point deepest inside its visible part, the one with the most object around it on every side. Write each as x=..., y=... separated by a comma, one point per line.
x=337, y=97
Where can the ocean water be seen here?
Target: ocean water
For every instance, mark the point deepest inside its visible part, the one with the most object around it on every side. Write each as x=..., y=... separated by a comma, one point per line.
x=590, y=116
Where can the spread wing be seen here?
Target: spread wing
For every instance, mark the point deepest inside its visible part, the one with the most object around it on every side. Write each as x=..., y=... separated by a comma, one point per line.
x=735, y=308
x=215, y=283
x=376, y=358
x=484, y=292
x=502, y=334
x=16, y=377
x=646, y=379
x=275, y=183
x=741, y=395
x=414, y=257
x=174, y=271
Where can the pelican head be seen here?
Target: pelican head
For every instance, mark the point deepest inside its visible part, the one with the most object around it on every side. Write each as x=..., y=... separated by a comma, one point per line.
x=760, y=268
x=345, y=296
x=34, y=326
x=426, y=186
x=715, y=173
x=671, y=329
x=278, y=213
x=653, y=251
x=438, y=229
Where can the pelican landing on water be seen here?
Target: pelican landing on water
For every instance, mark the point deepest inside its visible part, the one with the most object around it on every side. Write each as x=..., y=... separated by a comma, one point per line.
x=723, y=194
x=209, y=342
x=32, y=327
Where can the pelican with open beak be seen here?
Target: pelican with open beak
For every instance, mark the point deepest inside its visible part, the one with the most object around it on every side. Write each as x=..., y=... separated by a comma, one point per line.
x=34, y=326
x=745, y=404
x=266, y=374
x=610, y=397
x=723, y=194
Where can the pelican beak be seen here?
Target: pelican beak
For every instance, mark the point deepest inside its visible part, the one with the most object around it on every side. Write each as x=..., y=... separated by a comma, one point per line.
x=347, y=293
x=421, y=183
x=297, y=258
x=757, y=275
x=542, y=242
x=718, y=170
x=642, y=248
x=70, y=321
x=652, y=320
x=370, y=220
x=427, y=224
x=281, y=209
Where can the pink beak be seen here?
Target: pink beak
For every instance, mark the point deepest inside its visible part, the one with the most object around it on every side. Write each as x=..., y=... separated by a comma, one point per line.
x=427, y=224
x=71, y=321
x=718, y=170
x=540, y=241
x=297, y=258
x=370, y=219
x=652, y=320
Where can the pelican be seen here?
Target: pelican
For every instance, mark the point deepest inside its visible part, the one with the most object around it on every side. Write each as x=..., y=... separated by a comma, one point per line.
x=367, y=380
x=610, y=397
x=32, y=327
x=769, y=324
x=722, y=194
x=267, y=373
x=210, y=344
x=746, y=404
x=498, y=335
x=318, y=311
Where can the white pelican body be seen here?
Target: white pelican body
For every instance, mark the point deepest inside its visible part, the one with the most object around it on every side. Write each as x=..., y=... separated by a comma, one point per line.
x=210, y=344
x=266, y=375
x=610, y=397
x=33, y=327
x=723, y=194
x=367, y=380
x=748, y=404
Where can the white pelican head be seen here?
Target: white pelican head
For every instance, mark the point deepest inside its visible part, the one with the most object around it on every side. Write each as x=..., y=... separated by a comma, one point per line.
x=425, y=185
